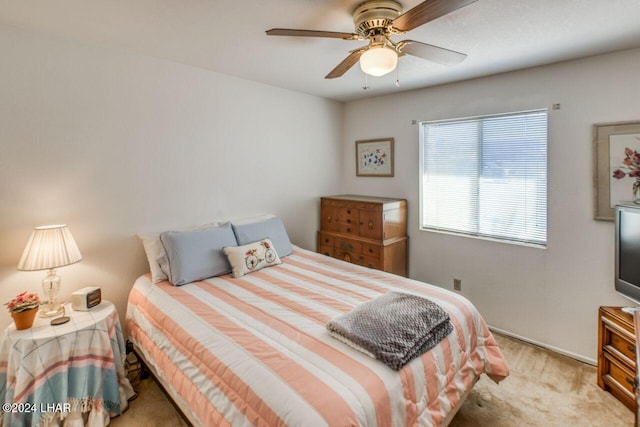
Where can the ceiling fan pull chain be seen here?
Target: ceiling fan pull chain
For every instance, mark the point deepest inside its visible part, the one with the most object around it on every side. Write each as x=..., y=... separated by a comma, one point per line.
x=366, y=82
x=398, y=76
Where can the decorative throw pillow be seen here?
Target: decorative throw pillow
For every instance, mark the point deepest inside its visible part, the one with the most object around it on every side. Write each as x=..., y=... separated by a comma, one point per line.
x=252, y=257
x=272, y=229
x=196, y=255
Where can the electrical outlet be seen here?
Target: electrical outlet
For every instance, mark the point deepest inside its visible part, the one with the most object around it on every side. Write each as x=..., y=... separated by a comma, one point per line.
x=457, y=284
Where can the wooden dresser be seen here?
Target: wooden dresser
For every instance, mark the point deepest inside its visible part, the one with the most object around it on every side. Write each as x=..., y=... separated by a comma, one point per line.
x=368, y=231
x=617, y=354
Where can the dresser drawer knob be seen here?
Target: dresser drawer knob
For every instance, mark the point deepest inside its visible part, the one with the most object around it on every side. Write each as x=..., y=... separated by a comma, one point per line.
x=370, y=250
x=326, y=240
x=349, y=220
x=631, y=382
x=631, y=348
x=349, y=211
x=370, y=225
x=348, y=230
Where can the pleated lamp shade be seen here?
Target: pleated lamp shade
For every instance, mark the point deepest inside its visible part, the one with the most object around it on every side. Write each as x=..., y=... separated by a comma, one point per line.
x=50, y=246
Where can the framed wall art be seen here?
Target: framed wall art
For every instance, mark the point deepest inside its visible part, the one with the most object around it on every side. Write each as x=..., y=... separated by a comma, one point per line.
x=374, y=157
x=610, y=143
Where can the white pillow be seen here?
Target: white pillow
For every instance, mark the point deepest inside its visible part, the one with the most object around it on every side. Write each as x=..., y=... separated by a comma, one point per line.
x=250, y=219
x=156, y=255
x=252, y=257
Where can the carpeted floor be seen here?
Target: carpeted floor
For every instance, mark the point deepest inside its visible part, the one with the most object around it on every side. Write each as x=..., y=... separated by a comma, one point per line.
x=544, y=389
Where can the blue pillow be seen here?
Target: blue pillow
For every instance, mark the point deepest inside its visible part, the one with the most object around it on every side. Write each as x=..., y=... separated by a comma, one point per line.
x=272, y=229
x=197, y=254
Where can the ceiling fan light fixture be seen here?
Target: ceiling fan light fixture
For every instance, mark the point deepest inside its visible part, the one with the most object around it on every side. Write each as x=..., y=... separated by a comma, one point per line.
x=378, y=61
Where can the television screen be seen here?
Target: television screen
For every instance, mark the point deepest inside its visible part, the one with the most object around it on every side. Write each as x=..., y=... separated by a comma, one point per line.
x=630, y=247
x=628, y=251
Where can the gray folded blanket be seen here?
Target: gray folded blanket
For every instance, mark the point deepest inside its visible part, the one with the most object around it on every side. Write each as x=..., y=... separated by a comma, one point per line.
x=393, y=328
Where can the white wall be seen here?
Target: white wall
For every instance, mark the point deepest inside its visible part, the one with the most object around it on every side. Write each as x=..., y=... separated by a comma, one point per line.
x=550, y=296
x=113, y=143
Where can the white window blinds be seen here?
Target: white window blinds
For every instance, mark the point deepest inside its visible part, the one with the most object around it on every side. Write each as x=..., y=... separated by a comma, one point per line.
x=486, y=176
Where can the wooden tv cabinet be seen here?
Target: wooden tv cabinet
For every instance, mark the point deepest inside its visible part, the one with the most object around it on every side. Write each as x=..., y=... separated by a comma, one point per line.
x=617, y=354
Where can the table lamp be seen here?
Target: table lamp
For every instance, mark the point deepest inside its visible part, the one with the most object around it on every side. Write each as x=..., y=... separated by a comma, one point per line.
x=48, y=248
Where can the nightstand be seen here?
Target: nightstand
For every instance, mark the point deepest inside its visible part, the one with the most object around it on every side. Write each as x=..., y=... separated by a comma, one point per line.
x=52, y=373
x=617, y=354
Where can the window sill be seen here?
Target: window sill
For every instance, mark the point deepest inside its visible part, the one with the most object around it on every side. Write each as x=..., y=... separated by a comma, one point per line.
x=490, y=239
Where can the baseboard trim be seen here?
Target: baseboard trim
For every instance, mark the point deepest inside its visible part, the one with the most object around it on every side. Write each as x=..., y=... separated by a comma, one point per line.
x=545, y=346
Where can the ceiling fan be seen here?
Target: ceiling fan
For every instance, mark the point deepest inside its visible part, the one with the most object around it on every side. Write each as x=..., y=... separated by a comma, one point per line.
x=376, y=21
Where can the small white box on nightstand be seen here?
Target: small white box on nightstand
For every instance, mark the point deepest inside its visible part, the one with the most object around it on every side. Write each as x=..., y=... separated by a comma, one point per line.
x=86, y=298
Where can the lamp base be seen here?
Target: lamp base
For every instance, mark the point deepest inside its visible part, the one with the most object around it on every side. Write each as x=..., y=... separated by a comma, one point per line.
x=45, y=311
x=51, y=289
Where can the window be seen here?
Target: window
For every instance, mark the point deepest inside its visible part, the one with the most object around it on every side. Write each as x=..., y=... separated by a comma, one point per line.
x=486, y=176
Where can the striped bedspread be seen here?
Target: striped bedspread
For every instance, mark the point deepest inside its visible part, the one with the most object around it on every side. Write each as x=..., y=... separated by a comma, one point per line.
x=255, y=351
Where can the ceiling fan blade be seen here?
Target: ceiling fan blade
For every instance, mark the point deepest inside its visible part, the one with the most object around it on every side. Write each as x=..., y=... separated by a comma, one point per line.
x=427, y=11
x=346, y=64
x=311, y=33
x=431, y=53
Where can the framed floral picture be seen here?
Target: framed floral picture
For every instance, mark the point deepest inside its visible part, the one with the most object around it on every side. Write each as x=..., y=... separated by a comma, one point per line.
x=617, y=166
x=374, y=157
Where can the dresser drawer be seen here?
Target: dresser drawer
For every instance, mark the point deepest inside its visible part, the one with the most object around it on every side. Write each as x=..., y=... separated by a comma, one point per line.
x=325, y=240
x=620, y=392
x=345, y=256
x=618, y=340
x=371, y=250
x=349, y=215
x=347, y=245
x=329, y=220
x=349, y=229
x=360, y=259
x=370, y=262
x=624, y=346
x=370, y=224
x=345, y=220
x=326, y=250
x=620, y=374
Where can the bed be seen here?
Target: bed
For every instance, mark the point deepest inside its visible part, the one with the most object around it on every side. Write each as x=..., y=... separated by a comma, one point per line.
x=254, y=350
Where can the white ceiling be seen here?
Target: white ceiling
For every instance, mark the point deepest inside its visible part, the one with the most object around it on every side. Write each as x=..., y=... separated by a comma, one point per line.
x=228, y=36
